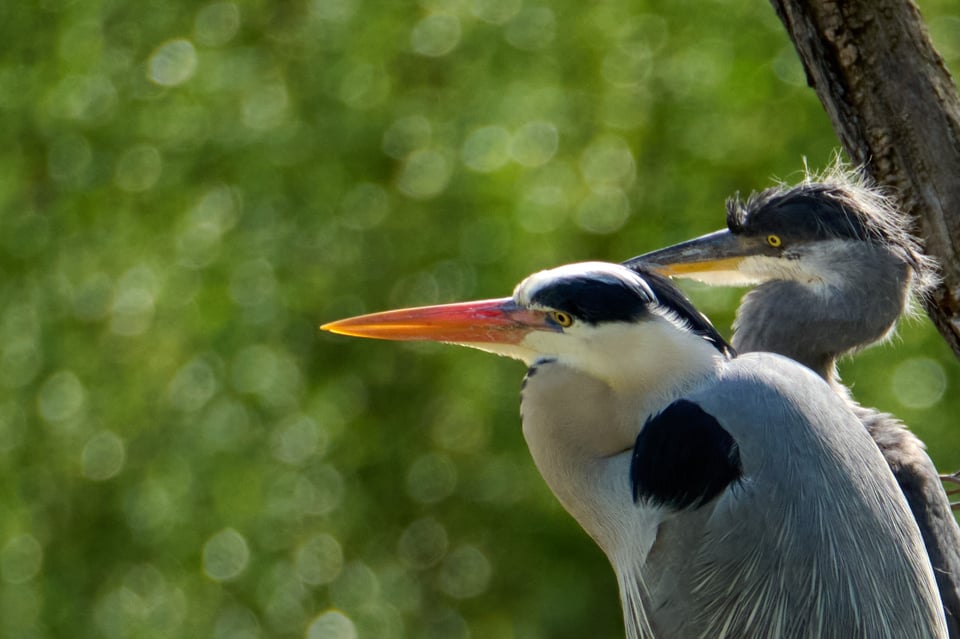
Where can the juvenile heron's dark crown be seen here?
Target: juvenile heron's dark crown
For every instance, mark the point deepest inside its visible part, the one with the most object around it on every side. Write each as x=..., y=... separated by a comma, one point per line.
x=840, y=205
x=809, y=212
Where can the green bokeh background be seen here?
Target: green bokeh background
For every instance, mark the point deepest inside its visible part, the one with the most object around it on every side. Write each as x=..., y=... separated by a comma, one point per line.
x=187, y=190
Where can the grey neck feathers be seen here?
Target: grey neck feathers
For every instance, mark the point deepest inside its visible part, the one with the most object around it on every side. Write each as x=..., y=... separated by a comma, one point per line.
x=817, y=322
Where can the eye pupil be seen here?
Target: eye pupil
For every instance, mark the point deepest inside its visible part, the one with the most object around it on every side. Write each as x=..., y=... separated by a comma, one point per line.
x=774, y=240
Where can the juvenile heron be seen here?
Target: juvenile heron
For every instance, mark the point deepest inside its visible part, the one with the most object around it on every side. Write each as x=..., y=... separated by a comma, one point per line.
x=835, y=267
x=734, y=496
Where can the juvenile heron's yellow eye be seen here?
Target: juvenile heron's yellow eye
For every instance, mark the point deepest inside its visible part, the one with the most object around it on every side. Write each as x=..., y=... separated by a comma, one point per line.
x=561, y=318
x=774, y=240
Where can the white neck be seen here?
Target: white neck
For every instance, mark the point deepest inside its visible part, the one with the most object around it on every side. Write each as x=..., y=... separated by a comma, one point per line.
x=581, y=423
x=642, y=369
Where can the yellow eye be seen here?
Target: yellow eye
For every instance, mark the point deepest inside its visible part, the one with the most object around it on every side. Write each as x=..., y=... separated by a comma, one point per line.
x=561, y=318
x=774, y=241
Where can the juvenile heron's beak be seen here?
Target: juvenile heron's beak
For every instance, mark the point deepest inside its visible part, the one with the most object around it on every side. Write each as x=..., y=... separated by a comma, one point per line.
x=498, y=321
x=717, y=252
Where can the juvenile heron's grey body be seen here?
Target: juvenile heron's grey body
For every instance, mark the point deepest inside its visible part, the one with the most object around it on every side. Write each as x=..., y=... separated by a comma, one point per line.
x=733, y=496
x=840, y=276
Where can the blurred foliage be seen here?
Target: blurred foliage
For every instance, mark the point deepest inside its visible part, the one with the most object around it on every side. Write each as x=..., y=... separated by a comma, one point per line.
x=187, y=190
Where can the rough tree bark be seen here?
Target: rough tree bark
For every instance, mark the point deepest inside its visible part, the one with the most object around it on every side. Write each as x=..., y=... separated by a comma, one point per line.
x=896, y=110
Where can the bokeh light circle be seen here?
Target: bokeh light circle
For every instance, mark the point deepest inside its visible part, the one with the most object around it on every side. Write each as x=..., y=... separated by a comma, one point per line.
x=918, y=382
x=225, y=555
x=332, y=625
x=172, y=63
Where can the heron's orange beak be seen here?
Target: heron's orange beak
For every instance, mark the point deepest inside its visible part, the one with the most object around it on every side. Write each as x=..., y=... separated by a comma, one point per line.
x=498, y=321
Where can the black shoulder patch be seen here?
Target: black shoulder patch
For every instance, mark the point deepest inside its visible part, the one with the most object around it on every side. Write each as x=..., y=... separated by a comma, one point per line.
x=683, y=458
x=669, y=296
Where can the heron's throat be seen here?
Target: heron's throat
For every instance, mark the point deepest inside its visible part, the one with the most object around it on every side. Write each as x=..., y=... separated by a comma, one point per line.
x=593, y=401
x=818, y=322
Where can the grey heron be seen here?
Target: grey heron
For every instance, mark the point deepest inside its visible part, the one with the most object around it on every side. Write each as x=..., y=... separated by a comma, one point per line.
x=835, y=267
x=735, y=496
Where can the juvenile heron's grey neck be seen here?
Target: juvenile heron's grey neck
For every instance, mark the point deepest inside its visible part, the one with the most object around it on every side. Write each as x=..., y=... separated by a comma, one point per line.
x=852, y=298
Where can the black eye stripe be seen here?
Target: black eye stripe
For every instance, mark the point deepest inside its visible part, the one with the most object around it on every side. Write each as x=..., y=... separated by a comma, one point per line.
x=595, y=299
x=591, y=299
